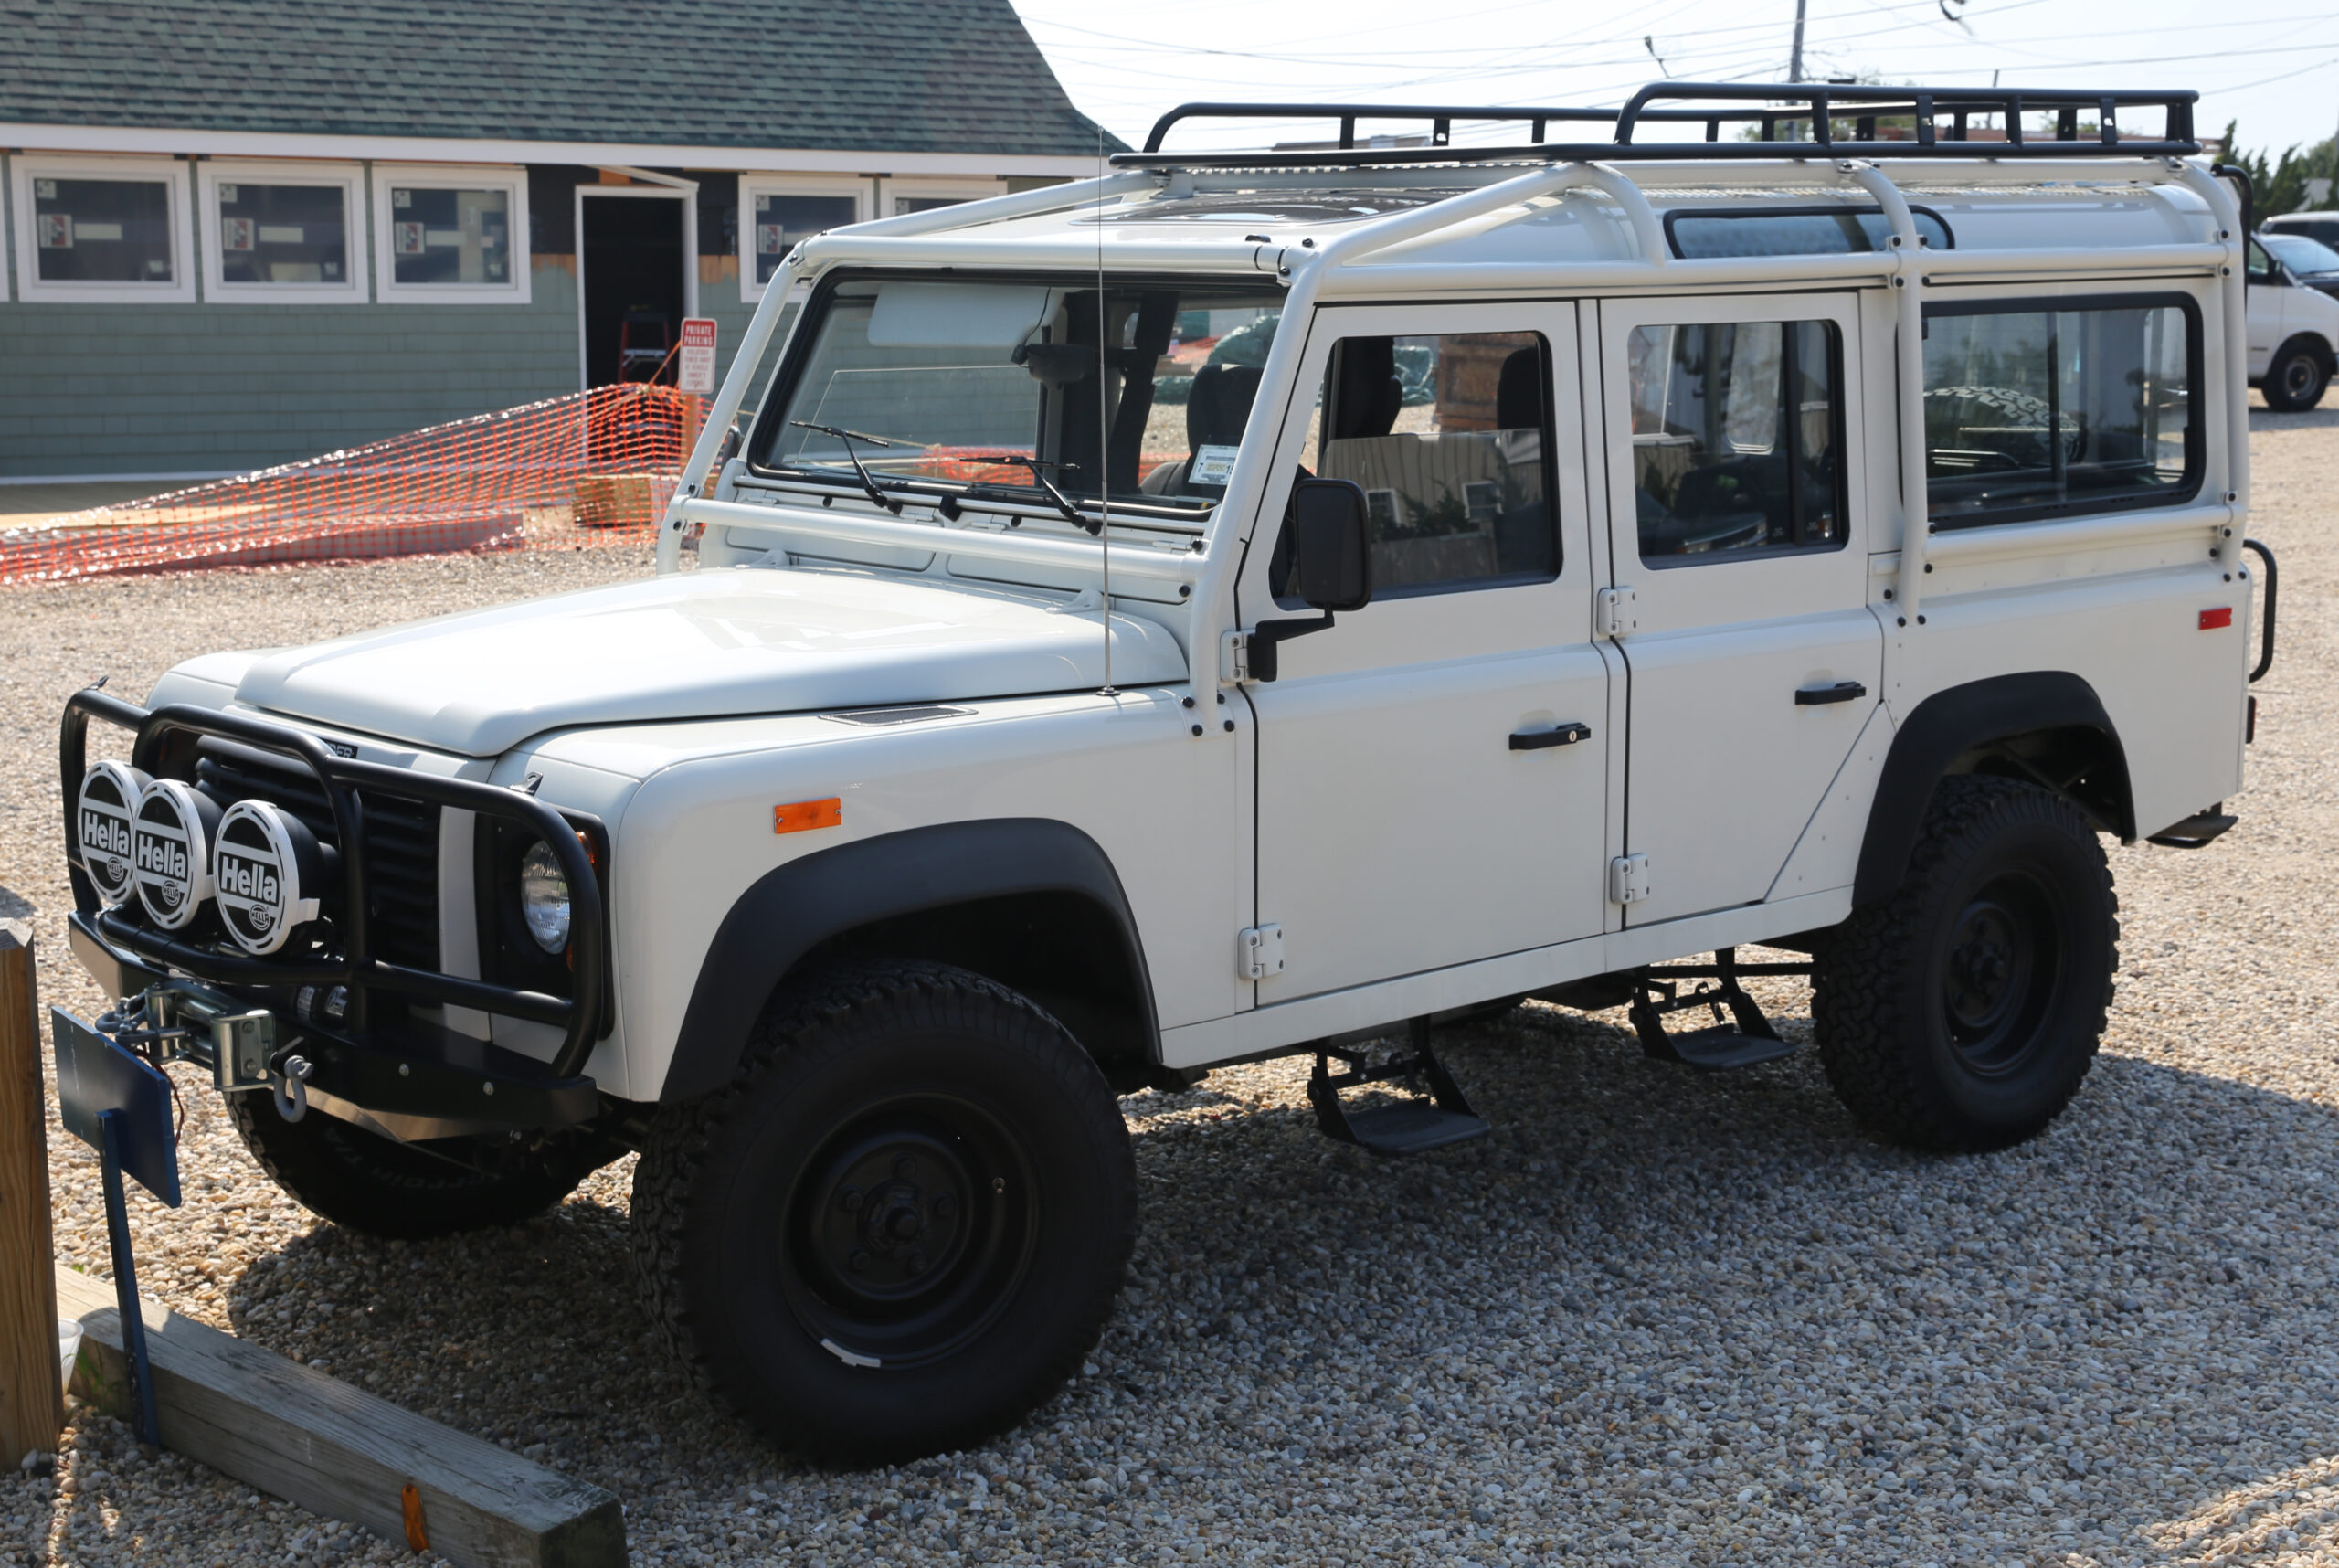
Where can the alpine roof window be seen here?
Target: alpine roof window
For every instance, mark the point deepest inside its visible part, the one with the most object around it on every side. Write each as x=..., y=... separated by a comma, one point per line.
x=102, y=228
x=2043, y=408
x=451, y=235
x=1798, y=231
x=283, y=233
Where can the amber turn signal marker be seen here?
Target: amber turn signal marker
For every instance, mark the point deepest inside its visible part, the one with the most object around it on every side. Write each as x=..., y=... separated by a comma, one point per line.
x=2211, y=620
x=803, y=814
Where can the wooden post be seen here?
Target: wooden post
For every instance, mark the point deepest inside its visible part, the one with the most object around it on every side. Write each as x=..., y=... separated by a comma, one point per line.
x=32, y=1401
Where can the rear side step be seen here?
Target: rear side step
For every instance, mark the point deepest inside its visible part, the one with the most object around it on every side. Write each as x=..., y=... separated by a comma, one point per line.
x=1410, y=1127
x=2195, y=832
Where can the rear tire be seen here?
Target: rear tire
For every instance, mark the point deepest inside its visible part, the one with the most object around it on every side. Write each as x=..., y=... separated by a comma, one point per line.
x=1961, y=1013
x=362, y=1180
x=901, y=1226
x=2296, y=377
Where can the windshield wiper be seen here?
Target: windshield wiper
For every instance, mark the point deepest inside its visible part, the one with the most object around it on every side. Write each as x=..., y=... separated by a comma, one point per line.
x=1063, y=503
x=868, y=486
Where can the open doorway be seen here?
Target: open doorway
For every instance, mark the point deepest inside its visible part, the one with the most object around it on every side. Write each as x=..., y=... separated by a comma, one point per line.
x=635, y=278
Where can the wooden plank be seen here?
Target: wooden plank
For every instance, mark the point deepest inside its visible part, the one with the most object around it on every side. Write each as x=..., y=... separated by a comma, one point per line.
x=32, y=1401
x=339, y=1451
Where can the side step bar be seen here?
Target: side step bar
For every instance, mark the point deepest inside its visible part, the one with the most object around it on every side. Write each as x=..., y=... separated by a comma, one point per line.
x=1408, y=1126
x=1745, y=1039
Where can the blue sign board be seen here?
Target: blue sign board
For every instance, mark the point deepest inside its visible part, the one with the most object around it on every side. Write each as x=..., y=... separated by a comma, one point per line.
x=95, y=1075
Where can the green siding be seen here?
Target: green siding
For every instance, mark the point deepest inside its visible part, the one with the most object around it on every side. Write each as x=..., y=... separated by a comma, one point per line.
x=106, y=388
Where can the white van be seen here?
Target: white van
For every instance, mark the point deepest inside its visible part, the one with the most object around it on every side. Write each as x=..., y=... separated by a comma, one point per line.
x=2293, y=333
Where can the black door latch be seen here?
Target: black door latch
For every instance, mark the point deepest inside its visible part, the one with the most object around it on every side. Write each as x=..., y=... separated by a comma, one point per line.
x=1567, y=734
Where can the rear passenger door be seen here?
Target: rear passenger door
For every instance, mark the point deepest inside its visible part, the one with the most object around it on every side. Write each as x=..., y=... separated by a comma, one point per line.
x=1432, y=768
x=1733, y=434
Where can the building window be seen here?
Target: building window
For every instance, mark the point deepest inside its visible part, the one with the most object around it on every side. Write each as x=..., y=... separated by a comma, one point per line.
x=102, y=228
x=283, y=233
x=901, y=196
x=450, y=235
x=777, y=213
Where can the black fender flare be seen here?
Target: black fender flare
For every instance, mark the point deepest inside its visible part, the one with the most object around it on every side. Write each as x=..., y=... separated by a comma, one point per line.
x=793, y=908
x=1946, y=725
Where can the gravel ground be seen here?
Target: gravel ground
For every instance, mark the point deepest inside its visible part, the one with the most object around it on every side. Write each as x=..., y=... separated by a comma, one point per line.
x=1657, y=1317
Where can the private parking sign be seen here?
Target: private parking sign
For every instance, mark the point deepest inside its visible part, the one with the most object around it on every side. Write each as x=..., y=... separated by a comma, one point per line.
x=696, y=372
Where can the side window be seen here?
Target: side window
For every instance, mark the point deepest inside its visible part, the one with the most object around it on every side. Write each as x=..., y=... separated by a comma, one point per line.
x=2259, y=267
x=2085, y=406
x=1738, y=443
x=1448, y=436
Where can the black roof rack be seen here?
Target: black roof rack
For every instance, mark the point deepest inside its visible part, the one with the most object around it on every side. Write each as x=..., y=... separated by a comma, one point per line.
x=1939, y=125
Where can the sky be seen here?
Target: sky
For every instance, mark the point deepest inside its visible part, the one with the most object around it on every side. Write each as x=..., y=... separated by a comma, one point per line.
x=2273, y=65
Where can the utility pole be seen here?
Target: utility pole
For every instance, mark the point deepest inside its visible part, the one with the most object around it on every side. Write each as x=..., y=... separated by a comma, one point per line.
x=1794, y=61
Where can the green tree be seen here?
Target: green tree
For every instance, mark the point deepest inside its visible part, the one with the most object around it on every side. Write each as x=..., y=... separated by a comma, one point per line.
x=2282, y=185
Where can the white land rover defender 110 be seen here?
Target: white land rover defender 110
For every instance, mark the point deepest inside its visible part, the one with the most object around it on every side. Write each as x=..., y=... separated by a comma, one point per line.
x=1248, y=604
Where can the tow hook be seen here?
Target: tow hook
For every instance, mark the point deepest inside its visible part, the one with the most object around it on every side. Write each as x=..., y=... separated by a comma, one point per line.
x=294, y=1073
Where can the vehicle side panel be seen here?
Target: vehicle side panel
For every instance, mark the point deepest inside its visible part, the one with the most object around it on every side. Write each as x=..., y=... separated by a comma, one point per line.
x=1162, y=804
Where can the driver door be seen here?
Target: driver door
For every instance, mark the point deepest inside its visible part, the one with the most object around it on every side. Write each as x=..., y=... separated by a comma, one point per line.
x=1418, y=806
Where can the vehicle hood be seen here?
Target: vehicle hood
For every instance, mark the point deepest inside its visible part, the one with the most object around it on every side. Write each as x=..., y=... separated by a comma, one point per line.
x=699, y=645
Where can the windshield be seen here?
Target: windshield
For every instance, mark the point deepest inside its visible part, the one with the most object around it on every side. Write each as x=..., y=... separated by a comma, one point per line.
x=2301, y=254
x=942, y=385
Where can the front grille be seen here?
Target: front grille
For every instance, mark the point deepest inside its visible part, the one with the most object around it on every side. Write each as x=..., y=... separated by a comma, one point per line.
x=401, y=843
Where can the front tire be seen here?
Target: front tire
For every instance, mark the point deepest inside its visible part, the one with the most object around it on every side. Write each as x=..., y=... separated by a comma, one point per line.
x=2296, y=377
x=1963, y=1012
x=364, y=1182
x=901, y=1226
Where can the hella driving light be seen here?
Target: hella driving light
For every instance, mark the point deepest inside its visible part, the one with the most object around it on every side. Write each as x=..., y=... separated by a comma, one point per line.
x=544, y=898
x=170, y=847
x=101, y=828
x=267, y=870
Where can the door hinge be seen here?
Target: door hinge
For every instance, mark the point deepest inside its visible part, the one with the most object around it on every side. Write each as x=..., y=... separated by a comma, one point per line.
x=1235, y=658
x=1628, y=879
x=1258, y=953
x=1618, y=613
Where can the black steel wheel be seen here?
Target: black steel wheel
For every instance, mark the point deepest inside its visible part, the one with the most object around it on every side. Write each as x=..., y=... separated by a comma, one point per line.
x=910, y=1230
x=1963, y=1012
x=2296, y=377
x=902, y=1224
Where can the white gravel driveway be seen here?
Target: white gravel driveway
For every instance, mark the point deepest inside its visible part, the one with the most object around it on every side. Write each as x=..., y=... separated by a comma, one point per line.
x=1656, y=1318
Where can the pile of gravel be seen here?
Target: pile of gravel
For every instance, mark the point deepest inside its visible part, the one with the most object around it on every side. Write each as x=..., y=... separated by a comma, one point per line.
x=1657, y=1317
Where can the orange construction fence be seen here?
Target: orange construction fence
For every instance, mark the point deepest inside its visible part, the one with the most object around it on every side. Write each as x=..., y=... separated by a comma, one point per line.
x=595, y=467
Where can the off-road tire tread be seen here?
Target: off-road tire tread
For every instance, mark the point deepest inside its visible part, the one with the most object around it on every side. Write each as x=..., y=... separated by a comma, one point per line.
x=400, y=1194
x=808, y=1021
x=1858, y=978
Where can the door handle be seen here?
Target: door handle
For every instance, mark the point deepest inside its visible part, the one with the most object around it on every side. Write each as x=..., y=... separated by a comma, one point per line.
x=1567, y=734
x=1818, y=696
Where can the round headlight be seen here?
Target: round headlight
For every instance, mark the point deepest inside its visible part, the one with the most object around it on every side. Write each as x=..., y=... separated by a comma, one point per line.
x=544, y=898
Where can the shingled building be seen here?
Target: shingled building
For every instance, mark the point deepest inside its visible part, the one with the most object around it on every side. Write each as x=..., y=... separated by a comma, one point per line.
x=240, y=232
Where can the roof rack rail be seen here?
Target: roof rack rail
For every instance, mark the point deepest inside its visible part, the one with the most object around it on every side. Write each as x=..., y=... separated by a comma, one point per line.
x=1821, y=107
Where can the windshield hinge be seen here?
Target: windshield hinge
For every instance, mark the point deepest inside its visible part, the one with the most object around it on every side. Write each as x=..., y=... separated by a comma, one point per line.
x=1235, y=658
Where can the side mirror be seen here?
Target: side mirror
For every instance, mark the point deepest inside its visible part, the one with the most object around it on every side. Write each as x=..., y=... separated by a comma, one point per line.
x=1331, y=557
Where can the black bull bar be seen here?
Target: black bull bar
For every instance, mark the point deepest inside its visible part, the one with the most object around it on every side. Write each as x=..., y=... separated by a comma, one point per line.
x=559, y=1094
